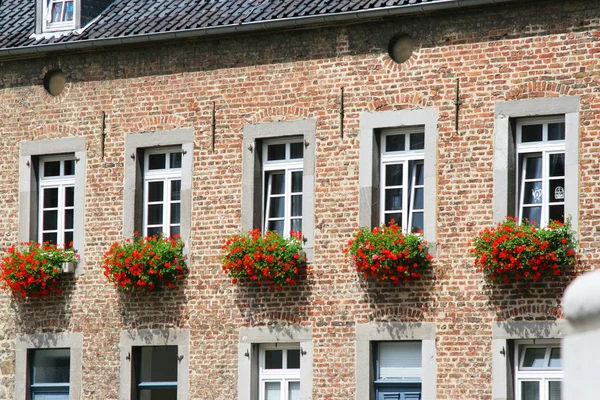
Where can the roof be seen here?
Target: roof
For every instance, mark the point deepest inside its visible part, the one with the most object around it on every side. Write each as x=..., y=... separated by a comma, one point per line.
x=127, y=19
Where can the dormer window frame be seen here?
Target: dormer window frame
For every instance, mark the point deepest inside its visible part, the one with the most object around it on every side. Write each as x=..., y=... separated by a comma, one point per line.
x=43, y=20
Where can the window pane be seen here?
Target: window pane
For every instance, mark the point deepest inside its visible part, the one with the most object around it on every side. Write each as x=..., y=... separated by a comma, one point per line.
x=554, y=389
x=68, y=11
x=68, y=239
x=297, y=206
x=417, y=141
x=62, y=395
x=275, y=226
x=157, y=161
x=397, y=217
x=395, y=143
x=294, y=391
x=69, y=196
x=158, y=364
x=175, y=160
x=51, y=198
x=393, y=199
x=557, y=213
x=56, y=12
x=68, y=219
x=296, y=150
x=69, y=166
x=175, y=230
x=175, y=213
x=530, y=391
x=297, y=225
x=418, y=174
x=273, y=359
x=556, y=131
x=175, y=190
x=155, y=214
x=276, y=152
x=293, y=359
x=417, y=222
x=51, y=168
x=272, y=391
x=533, y=215
x=50, y=220
x=297, y=182
x=533, y=193
x=533, y=168
x=555, y=361
x=51, y=366
x=277, y=183
x=534, y=357
x=158, y=394
x=393, y=175
x=557, y=165
x=418, y=201
x=154, y=231
x=557, y=190
x=531, y=133
x=277, y=207
x=155, y=191
x=50, y=237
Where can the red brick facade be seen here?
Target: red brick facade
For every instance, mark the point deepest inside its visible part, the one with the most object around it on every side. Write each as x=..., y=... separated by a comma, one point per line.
x=517, y=51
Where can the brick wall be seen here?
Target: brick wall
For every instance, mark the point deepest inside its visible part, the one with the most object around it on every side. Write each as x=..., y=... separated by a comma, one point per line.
x=504, y=52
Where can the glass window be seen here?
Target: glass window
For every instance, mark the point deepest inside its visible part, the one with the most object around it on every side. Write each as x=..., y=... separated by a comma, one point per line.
x=57, y=200
x=279, y=372
x=541, y=170
x=155, y=369
x=282, y=177
x=402, y=180
x=50, y=374
x=398, y=370
x=539, y=371
x=59, y=15
x=162, y=192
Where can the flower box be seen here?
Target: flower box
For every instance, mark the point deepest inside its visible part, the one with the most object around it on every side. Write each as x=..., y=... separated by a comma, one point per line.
x=269, y=259
x=145, y=264
x=510, y=252
x=386, y=254
x=68, y=267
x=33, y=269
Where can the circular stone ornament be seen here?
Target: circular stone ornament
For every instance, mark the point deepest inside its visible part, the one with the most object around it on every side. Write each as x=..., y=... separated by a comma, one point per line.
x=54, y=82
x=401, y=48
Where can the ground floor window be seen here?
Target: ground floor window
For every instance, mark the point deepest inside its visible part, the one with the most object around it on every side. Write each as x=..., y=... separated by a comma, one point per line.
x=155, y=370
x=50, y=374
x=398, y=371
x=279, y=371
x=538, y=370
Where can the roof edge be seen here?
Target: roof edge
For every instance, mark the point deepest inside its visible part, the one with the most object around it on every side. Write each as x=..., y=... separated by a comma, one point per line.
x=255, y=26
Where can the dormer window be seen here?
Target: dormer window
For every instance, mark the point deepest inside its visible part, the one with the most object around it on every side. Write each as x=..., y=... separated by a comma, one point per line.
x=59, y=15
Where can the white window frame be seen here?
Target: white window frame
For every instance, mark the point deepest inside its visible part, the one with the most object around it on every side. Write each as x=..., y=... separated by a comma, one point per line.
x=61, y=182
x=251, y=341
x=543, y=375
x=284, y=376
x=545, y=149
x=29, y=188
x=506, y=112
x=286, y=167
x=410, y=159
x=48, y=25
x=167, y=176
x=371, y=125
